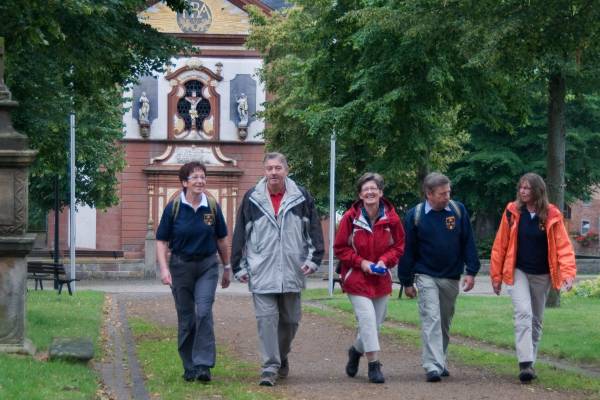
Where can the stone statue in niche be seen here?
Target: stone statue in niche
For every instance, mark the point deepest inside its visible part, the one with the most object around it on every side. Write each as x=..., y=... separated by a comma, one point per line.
x=193, y=100
x=144, y=107
x=242, y=110
x=144, y=115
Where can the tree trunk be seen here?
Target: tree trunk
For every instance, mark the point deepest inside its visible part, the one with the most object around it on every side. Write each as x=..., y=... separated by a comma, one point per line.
x=555, y=167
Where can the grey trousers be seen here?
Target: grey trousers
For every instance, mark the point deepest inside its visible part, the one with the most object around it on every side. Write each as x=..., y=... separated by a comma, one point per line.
x=528, y=294
x=194, y=286
x=277, y=317
x=437, y=297
x=370, y=314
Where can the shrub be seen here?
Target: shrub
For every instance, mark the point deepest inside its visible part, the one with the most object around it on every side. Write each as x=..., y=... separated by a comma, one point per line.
x=587, y=288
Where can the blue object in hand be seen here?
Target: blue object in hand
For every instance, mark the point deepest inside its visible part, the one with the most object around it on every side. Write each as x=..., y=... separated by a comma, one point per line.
x=377, y=269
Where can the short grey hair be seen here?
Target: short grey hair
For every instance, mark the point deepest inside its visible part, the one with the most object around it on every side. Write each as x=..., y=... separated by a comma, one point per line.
x=434, y=180
x=369, y=176
x=276, y=156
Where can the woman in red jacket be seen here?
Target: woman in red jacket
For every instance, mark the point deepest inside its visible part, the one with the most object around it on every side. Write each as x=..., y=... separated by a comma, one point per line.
x=369, y=241
x=531, y=253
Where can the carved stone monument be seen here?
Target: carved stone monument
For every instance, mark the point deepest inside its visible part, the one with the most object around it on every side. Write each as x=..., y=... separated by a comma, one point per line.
x=15, y=243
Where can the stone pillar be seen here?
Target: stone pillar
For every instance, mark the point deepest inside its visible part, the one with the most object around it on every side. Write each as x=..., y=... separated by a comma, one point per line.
x=15, y=243
x=150, y=268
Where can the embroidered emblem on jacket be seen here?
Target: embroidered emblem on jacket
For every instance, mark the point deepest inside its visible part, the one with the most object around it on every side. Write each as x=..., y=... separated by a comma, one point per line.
x=209, y=219
x=450, y=223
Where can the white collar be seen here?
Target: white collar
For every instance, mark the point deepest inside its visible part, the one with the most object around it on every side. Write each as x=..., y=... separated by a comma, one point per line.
x=429, y=208
x=203, y=201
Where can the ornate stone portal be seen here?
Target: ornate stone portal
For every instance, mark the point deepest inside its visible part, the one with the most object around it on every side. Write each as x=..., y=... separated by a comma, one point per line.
x=15, y=243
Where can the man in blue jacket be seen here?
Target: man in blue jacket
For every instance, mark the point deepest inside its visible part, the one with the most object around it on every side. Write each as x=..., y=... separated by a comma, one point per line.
x=439, y=242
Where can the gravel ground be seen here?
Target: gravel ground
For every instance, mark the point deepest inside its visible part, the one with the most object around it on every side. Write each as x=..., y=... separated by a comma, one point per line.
x=319, y=353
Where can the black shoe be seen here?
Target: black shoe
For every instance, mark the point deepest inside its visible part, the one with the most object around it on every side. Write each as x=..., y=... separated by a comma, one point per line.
x=189, y=375
x=375, y=374
x=284, y=369
x=433, y=376
x=526, y=373
x=353, y=360
x=268, y=378
x=203, y=374
x=445, y=373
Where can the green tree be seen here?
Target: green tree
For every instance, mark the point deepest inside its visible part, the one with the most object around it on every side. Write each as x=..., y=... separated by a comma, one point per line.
x=77, y=55
x=486, y=176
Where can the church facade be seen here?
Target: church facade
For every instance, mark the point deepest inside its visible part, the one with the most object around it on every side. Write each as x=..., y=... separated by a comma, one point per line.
x=202, y=108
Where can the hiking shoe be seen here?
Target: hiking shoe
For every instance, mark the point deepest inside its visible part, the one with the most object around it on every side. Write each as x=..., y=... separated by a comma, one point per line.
x=375, y=374
x=445, y=373
x=268, y=378
x=189, y=375
x=433, y=376
x=284, y=369
x=203, y=374
x=526, y=375
x=526, y=372
x=353, y=360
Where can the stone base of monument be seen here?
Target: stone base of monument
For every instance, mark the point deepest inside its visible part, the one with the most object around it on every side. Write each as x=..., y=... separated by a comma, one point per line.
x=27, y=348
x=79, y=349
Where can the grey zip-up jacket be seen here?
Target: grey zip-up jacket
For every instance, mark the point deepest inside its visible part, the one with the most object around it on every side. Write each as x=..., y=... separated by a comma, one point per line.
x=273, y=250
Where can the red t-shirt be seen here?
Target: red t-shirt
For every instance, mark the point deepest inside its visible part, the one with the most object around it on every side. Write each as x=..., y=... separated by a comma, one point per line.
x=276, y=201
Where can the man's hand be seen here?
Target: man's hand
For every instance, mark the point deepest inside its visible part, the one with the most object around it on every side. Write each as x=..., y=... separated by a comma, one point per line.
x=306, y=270
x=497, y=286
x=468, y=282
x=410, y=292
x=226, y=278
x=568, y=284
x=242, y=276
x=165, y=276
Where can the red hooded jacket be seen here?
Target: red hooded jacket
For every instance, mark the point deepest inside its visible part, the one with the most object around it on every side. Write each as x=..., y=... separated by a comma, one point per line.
x=356, y=241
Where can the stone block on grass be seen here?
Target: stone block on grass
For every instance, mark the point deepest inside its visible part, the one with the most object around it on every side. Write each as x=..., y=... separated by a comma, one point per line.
x=77, y=349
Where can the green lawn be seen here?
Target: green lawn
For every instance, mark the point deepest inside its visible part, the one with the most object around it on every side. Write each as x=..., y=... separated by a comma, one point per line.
x=50, y=315
x=570, y=332
x=157, y=352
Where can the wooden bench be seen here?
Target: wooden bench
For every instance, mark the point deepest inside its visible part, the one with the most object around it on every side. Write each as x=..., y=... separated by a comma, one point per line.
x=48, y=271
x=339, y=282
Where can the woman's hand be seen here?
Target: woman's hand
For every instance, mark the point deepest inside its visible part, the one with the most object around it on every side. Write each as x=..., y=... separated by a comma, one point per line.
x=497, y=286
x=365, y=265
x=568, y=284
x=165, y=276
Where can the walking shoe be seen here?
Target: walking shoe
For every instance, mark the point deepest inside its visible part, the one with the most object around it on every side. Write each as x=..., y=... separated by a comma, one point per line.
x=203, y=374
x=189, y=375
x=375, y=374
x=353, y=360
x=284, y=369
x=445, y=373
x=433, y=376
x=526, y=373
x=268, y=378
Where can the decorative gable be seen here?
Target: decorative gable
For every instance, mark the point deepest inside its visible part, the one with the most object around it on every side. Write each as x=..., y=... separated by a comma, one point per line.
x=207, y=17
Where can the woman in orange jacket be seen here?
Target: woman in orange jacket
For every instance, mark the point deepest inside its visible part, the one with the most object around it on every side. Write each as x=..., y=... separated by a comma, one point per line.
x=531, y=253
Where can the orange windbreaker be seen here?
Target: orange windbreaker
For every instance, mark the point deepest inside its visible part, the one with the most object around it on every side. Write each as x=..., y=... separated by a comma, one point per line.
x=561, y=257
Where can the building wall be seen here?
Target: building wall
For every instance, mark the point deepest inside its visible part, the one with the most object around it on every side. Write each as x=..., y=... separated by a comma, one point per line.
x=588, y=212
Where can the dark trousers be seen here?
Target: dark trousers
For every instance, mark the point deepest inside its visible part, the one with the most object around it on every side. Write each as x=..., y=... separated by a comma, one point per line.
x=194, y=286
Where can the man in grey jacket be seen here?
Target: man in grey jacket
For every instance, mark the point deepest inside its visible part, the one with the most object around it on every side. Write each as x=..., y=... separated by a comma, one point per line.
x=277, y=242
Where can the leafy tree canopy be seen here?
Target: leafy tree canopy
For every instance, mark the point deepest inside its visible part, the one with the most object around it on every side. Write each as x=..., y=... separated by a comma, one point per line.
x=77, y=55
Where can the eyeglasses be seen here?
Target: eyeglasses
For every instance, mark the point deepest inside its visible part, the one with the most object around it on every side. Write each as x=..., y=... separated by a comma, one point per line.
x=370, y=189
x=196, y=178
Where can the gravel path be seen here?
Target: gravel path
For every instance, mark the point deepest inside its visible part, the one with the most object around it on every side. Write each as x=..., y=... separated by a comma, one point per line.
x=319, y=354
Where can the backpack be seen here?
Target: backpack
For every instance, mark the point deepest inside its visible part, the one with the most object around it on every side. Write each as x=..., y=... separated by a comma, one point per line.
x=453, y=206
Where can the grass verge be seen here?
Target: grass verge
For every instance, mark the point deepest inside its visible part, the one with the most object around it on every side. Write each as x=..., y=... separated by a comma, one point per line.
x=157, y=353
x=480, y=316
x=49, y=315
